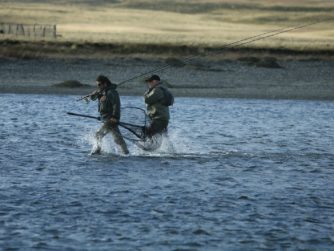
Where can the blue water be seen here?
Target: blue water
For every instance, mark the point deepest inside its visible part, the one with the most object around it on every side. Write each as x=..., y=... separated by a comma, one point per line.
x=241, y=175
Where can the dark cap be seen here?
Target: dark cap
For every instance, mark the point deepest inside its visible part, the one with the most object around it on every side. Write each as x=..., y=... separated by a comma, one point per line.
x=153, y=77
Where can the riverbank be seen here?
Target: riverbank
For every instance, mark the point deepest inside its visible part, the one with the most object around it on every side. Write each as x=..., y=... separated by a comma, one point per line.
x=119, y=39
x=38, y=49
x=185, y=24
x=228, y=76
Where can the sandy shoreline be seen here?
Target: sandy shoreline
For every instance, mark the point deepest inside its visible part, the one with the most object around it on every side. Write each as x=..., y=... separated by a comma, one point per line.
x=241, y=50
x=243, y=77
x=242, y=93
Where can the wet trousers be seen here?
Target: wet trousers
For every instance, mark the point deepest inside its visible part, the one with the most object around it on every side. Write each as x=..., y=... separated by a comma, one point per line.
x=156, y=126
x=116, y=134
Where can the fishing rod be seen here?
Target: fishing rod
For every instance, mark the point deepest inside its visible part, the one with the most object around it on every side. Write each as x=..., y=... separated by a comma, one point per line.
x=83, y=115
x=84, y=97
x=88, y=96
x=166, y=65
x=234, y=44
x=122, y=124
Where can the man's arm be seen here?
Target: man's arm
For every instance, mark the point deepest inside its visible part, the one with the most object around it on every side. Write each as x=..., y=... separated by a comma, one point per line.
x=116, y=111
x=114, y=104
x=153, y=96
x=94, y=95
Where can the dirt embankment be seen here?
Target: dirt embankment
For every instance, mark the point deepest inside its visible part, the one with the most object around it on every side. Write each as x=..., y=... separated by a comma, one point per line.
x=69, y=68
x=62, y=50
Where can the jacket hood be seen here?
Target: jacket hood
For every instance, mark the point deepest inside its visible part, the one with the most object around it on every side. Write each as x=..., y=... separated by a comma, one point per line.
x=112, y=86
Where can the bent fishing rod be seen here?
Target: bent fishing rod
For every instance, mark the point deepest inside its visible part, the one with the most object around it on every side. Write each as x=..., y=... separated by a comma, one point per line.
x=122, y=124
x=234, y=44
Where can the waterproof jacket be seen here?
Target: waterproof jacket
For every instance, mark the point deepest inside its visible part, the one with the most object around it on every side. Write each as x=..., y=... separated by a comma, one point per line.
x=109, y=103
x=154, y=98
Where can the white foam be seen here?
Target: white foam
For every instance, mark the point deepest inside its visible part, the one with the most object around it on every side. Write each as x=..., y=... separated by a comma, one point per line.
x=175, y=143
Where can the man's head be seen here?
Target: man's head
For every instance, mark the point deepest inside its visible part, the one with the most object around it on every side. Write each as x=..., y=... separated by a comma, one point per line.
x=153, y=81
x=102, y=82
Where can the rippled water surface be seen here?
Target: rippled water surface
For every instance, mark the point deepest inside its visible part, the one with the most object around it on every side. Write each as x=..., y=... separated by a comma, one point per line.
x=244, y=174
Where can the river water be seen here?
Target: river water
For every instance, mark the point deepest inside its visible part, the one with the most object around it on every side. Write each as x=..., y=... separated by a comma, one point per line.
x=241, y=175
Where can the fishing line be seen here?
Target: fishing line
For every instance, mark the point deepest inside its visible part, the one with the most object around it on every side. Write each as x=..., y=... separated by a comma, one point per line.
x=225, y=46
x=165, y=66
x=234, y=44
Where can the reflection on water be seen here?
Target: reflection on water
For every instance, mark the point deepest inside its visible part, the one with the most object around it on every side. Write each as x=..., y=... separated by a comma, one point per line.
x=243, y=174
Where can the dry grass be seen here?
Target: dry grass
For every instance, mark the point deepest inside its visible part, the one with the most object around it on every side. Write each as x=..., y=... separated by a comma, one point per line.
x=194, y=23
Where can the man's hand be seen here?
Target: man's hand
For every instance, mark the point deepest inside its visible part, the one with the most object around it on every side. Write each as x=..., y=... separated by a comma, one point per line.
x=94, y=92
x=94, y=95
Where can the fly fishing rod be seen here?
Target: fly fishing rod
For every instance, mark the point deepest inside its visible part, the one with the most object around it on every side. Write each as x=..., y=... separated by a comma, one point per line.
x=187, y=59
x=234, y=44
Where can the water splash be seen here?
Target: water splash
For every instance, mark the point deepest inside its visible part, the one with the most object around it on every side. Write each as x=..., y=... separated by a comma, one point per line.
x=176, y=143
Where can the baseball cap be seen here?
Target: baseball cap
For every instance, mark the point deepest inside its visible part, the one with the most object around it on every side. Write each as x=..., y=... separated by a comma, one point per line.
x=153, y=77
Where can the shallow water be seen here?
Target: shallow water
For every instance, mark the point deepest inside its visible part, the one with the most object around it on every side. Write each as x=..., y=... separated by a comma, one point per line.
x=244, y=174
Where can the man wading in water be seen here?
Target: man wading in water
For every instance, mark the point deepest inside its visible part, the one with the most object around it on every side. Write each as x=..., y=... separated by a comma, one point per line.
x=158, y=99
x=110, y=111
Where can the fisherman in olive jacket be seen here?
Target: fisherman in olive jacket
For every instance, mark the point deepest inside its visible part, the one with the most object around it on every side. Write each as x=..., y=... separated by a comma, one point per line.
x=109, y=107
x=157, y=109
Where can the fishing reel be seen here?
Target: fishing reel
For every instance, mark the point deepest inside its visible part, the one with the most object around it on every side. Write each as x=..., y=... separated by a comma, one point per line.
x=88, y=97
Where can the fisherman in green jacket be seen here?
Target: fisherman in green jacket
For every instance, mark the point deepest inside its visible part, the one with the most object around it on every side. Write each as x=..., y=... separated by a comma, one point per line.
x=157, y=109
x=109, y=107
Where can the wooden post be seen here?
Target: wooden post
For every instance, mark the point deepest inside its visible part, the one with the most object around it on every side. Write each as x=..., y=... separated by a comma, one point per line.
x=54, y=31
x=9, y=28
x=19, y=30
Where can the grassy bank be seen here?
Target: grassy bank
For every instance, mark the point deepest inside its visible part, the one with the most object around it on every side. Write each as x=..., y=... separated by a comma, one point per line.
x=89, y=50
x=148, y=26
x=123, y=38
